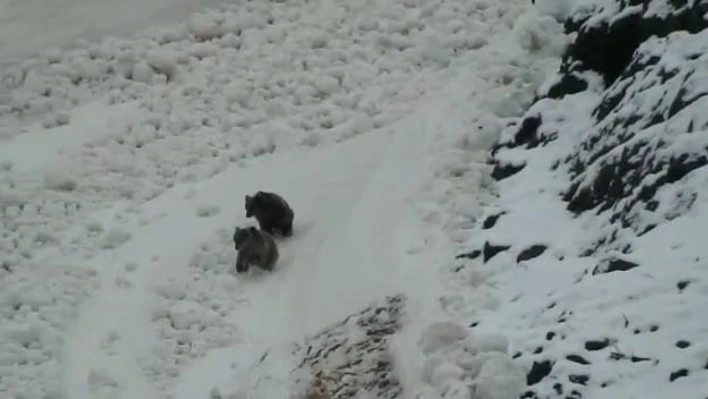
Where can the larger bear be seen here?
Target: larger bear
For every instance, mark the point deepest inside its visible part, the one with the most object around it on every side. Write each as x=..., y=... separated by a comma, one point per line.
x=273, y=213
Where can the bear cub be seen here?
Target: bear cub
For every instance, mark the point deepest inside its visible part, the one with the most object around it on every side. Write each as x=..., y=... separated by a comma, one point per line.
x=254, y=247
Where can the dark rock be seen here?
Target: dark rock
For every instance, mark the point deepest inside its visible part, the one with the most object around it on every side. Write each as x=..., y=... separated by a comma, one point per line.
x=538, y=350
x=654, y=328
x=528, y=132
x=470, y=255
x=613, y=265
x=682, y=344
x=633, y=359
x=490, y=250
x=574, y=395
x=503, y=171
x=681, y=285
x=491, y=220
x=558, y=387
x=581, y=379
x=597, y=345
x=531, y=252
x=678, y=374
x=539, y=371
x=577, y=359
x=529, y=395
x=647, y=229
x=495, y=150
x=568, y=84
x=516, y=355
x=474, y=324
x=607, y=48
x=550, y=335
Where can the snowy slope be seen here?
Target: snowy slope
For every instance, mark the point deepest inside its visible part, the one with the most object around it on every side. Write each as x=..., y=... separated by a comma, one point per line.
x=596, y=242
x=125, y=163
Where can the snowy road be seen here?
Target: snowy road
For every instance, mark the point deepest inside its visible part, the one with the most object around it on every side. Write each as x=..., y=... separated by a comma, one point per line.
x=341, y=257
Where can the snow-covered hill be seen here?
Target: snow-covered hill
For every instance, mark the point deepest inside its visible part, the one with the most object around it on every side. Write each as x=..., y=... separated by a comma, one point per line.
x=480, y=211
x=597, y=238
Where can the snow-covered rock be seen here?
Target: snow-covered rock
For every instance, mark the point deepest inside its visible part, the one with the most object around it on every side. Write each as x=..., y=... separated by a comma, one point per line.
x=594, y=237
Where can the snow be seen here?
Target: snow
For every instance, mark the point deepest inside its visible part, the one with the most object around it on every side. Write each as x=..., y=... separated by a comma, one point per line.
x=606, y=307
x=32, y=26
x=125, y=161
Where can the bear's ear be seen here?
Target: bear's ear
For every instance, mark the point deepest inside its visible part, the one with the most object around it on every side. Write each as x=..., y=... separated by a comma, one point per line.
x=248, y=199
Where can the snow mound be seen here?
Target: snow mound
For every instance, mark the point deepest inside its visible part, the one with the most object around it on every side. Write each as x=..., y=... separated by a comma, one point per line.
x=595, y=229
x=460, y=365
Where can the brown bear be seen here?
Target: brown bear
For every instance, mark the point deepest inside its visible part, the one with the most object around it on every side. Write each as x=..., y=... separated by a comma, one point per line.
x=273, y=213
x=254, y=247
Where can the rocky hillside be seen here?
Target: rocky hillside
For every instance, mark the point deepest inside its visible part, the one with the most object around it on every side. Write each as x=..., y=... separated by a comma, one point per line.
x=598, y=230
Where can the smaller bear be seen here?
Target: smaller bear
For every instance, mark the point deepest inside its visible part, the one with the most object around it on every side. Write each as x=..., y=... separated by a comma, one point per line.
x=273, y=213
x=254, y=247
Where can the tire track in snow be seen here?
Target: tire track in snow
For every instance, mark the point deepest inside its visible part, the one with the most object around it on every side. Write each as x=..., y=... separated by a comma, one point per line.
x=357, y=262
x=323, y=206
x=114, y=328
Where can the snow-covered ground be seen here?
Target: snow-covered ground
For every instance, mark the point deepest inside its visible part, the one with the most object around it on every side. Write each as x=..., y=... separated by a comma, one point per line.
x=29, y=27
x=420, y=265
x=125, y=162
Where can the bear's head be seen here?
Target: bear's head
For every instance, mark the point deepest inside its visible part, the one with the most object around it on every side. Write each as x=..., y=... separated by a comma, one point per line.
x=240, y=236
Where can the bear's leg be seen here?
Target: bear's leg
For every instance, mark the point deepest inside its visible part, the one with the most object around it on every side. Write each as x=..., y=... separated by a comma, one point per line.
x=241, y=263
x=288, y=230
